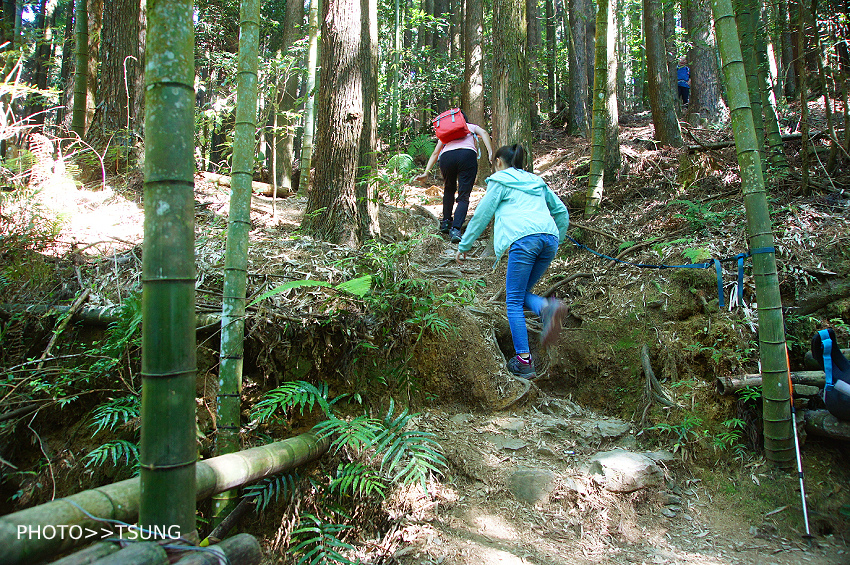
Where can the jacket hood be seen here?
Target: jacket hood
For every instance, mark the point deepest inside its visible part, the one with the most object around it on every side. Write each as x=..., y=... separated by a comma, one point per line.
x=518, y=179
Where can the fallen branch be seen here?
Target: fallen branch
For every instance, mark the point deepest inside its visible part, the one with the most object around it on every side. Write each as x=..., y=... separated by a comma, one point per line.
x=653, y=387
x=730, y=385
x=594, y=230
x=62, y=325
x=822, y=423
x=814, y=303
x=257, y=187
x=551, y=290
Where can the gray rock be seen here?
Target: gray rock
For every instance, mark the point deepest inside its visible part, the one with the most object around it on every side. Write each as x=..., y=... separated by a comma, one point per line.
x=509, y=443
x=509, y=424
x=532, y=485
x=806, y=390
x=606, y=428
x=461, y=419
x=668, y=512
x=623, y=471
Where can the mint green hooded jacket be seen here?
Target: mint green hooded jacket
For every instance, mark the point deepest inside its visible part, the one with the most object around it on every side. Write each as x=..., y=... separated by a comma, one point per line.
x=522, y=204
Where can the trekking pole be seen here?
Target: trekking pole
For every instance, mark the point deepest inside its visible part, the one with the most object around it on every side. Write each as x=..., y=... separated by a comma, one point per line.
x=797, y=444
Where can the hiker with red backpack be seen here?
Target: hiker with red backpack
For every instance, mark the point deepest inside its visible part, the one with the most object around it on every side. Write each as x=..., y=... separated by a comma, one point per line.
x=458, y=154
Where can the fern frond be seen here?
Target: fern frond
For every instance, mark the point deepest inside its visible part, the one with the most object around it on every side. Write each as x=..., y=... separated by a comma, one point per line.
x=114, y=413
x=291, y=395
x=318, y=542
x=271, y=488
x=357, y=433
x=407, y=456
x=116, y=451
x=354, y=478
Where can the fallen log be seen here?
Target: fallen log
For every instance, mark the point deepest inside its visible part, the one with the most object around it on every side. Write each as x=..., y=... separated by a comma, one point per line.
x=810, y=363
x=257, y=187
x=91, y=315
x=822, y=423
x=730, y=385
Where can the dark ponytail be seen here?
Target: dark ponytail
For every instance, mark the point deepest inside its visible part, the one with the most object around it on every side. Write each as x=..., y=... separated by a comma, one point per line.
x=512, y=155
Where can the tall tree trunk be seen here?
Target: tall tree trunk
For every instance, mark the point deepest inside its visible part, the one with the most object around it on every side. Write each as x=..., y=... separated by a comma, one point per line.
x=168, y=447
x=95, y=14
x=773, y=138
x=803, y=86
x=332, y=212
x=705, y=76
x=511, y=96
x=613, y=158
x=310, y=106
x=366, y=190
x=78, y=115
x=67, y=86
x=551, y=92
x=229, y=398
x=786, y=44
x=600, y=86
x=579, y=62
x=286, y=104
x=472, y=100
x=779, y=446
x=745, y=16
x=532, y=17
x=661, y=94
x=42, y=59
x=121, y=65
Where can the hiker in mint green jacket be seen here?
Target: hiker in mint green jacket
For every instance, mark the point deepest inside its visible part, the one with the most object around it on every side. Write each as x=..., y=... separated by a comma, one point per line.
x=530, y=223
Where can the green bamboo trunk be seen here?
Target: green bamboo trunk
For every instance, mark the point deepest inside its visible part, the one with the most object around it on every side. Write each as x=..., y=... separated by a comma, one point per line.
x=773, y=137
x=746, y=22
x=309, y=107
x=81, y=31
x=168, y=449
x=236, y=253
x=779, y=445
x=598, y=122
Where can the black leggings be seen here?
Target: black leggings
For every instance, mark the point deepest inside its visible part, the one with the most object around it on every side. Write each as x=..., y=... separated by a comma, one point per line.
x=459, y=168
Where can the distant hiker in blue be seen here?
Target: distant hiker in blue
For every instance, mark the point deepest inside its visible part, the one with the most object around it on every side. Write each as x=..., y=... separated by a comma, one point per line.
x=530, y=223
x=683, y=76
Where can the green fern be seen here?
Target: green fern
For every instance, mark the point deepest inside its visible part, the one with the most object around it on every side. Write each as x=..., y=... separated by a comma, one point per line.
x=318, y=542
x=355, y=478
x=358, y=433
x=272, y=488
x=298, y=394
x=116, y=451
x=116, y=412
x=408, y=456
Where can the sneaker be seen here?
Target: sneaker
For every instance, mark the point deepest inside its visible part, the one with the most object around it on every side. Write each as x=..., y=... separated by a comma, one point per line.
x=454, y=233
x=445, y=225
x=552, y=315
x=522, y=369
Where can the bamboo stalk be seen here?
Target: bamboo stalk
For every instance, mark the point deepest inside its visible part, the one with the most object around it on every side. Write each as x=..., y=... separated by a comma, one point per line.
x=141, y=553
x=730, y=385
x=120, y=501
x=241, y=549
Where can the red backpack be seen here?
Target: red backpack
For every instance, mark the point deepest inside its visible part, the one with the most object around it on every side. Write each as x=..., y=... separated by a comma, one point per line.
x=450, y=125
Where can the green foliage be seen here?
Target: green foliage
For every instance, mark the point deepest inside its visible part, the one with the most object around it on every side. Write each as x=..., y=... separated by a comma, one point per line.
x=730, y=437
x=318, y=543
x=358, y=287
x=120, y=452
x=114, y=413
x=26, y=224
x=401, y=163
x=289, y=396
x=701, y=216
x=271, y=489
x=357, y=479
x=421, y=147
x=683, y=433
x=749, y=394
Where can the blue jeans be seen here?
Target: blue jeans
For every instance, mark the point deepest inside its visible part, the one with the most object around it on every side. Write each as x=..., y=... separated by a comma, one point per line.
x=528, y=259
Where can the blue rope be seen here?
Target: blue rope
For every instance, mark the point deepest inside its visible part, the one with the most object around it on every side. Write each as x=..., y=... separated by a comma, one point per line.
x=716, y=263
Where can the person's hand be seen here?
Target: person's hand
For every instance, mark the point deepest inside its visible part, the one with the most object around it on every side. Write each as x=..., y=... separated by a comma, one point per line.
x=419, y=178
x=460, y=257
